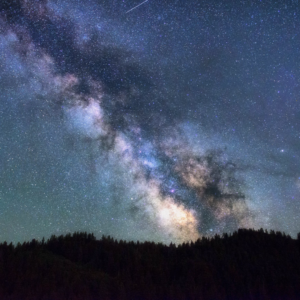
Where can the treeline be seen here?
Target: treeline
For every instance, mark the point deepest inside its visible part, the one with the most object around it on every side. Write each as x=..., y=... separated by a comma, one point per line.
x=244, y=265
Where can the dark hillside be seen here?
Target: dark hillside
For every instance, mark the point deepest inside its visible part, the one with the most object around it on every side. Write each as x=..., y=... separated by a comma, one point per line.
x=245, y=265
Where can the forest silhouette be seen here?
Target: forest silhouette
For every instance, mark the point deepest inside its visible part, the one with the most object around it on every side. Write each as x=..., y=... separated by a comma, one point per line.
x=246, y=264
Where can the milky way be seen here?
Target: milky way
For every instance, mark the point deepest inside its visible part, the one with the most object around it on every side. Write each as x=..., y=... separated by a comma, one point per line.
x=175, y=121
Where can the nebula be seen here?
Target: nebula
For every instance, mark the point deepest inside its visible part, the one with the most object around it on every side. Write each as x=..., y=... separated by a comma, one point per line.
x=115, y=129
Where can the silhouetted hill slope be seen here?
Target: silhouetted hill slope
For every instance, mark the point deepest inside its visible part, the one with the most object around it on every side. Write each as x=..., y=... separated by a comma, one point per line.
x=245, y=265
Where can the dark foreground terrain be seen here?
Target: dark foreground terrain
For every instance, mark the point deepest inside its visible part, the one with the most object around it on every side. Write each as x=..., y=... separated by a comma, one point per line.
x=245, y=265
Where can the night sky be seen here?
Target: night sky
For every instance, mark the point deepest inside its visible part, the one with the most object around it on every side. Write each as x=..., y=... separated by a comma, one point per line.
x=174, y=120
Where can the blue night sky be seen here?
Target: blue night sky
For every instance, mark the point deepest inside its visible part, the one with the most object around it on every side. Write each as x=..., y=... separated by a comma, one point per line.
x=167, y=122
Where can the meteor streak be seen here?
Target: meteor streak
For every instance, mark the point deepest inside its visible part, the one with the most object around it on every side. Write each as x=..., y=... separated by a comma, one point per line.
x=136, y=7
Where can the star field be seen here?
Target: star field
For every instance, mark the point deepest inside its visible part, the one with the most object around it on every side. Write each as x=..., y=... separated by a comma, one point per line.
x=172, y=121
